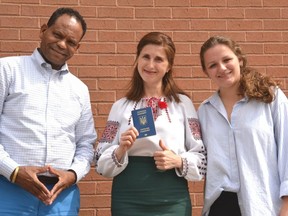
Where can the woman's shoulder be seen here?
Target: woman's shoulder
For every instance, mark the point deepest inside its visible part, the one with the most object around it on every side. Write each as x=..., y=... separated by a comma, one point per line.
x=280, y=96
x=186, y=102
x=184, y=98
x=122, y=102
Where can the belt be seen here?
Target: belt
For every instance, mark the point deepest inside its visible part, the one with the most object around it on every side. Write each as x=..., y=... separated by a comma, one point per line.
x=48, y=180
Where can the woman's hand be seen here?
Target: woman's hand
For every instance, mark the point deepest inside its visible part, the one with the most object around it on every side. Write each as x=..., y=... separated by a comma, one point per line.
x=166, y=159
x=284, y=208
x=126, y=142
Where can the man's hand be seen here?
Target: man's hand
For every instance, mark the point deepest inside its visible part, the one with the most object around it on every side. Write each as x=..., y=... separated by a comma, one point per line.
x=27, y=179
x=66, y=179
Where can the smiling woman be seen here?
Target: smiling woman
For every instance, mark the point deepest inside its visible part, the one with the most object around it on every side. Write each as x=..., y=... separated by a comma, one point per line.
x=151, y=173
x=244, y=128
x=152, y=66
x=223, y=66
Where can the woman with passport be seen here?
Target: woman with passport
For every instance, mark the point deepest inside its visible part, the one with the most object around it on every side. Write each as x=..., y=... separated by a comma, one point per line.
x=151, y=165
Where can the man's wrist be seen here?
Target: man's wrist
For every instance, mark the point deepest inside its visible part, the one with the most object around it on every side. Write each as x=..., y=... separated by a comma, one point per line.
x=14, y=174
x=75, y=175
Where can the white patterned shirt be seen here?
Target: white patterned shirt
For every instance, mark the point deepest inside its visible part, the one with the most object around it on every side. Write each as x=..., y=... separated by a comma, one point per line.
x=247, y=155
x=45, y=117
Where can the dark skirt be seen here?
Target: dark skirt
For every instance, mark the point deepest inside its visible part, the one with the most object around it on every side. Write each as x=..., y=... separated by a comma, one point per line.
x=142, y=190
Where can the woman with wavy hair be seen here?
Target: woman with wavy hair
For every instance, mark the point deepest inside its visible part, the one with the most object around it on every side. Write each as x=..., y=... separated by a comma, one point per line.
x=244, y=128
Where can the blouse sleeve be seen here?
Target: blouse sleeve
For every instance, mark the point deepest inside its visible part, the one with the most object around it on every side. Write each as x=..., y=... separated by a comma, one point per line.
x=194, y=158
x=106, y=162
x=280, y=119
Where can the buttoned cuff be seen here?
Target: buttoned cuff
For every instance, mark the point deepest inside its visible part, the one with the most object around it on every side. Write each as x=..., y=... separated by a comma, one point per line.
x=7, y=166
x=184, y=171
x=284, y=189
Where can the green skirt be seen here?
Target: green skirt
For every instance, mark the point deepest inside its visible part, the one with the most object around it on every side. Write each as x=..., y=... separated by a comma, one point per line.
x=143, y=190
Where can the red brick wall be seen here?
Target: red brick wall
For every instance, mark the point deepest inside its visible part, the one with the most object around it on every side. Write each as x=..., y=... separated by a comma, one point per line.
x=107, y=51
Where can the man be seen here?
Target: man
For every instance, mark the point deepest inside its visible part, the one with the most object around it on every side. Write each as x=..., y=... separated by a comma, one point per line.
x=46, y=124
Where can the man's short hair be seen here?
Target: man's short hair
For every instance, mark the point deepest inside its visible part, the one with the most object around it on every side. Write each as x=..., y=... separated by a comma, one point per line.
x=71, y=12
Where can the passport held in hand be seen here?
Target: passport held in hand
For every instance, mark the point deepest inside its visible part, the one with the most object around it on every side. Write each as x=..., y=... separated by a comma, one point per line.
x=143, y=121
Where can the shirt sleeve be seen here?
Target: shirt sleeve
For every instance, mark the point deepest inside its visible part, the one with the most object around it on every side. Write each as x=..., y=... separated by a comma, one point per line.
x=194, y=159
x=106, y=162
x=280, y=119
x=85, y=136
x=7, y=164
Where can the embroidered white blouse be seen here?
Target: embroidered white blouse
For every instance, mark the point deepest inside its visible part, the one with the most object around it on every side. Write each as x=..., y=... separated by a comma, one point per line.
x=177, y=126
x=247, y=156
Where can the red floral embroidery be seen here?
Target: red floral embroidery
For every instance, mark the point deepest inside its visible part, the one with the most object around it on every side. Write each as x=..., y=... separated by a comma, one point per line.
x=162, y=104
x=110, y=131
x=157, y=104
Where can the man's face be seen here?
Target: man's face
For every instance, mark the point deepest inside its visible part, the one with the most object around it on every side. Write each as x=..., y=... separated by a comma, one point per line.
x=60, y=41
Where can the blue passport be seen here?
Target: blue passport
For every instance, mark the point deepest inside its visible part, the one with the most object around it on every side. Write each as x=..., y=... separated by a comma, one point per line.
x=144, y=122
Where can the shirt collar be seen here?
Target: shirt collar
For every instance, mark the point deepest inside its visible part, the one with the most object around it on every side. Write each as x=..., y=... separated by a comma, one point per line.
x=215, y=98
x=41, y=62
